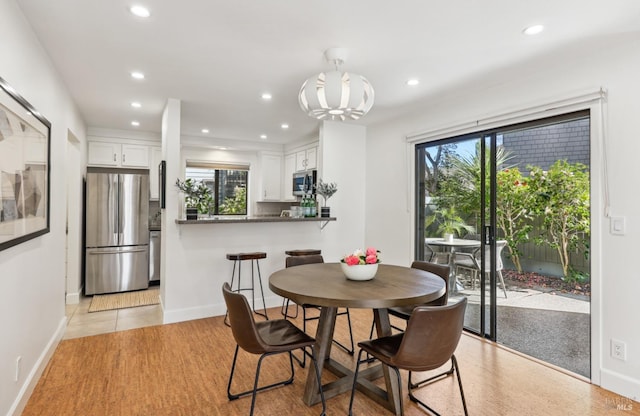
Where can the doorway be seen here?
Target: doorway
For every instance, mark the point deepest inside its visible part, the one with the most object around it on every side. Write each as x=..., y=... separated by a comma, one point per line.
x=516, y=200
x=73, y=226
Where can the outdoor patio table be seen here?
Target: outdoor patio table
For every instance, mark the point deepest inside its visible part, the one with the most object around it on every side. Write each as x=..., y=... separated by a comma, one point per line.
x=325, y=285
x=453, y=246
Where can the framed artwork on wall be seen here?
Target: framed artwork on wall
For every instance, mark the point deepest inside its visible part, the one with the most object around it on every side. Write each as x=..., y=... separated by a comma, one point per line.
x=25, y=148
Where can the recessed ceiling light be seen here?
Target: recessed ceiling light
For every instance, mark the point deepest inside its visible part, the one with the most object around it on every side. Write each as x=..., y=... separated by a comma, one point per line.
x=284, y=125
x=140, y=11
x=205, y=131
x=533, y=30
x=266, y=96
x=263, y=136
x=222, y=148
x=135, y=123
x=137, y=75
x=136, y=104
x=413, y=81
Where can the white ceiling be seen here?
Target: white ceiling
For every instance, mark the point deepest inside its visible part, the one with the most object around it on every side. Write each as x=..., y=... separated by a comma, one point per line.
x=218, y=57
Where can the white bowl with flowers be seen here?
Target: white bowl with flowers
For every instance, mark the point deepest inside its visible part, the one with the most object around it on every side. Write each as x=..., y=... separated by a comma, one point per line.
x=361, y=265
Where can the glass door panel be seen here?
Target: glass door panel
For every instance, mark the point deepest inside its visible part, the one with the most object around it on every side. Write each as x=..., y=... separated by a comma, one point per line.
x=492, y=206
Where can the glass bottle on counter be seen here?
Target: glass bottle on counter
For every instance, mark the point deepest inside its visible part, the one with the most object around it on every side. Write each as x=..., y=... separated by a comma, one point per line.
x=307, y=207
x=314, y=209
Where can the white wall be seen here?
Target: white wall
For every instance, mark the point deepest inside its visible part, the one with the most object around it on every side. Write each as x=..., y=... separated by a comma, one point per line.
x=32, y=280
x=612, y=64
x=343, y=160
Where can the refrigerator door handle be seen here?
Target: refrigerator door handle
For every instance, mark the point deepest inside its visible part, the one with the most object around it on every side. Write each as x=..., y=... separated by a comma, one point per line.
x=120, y=209
x=117, y=251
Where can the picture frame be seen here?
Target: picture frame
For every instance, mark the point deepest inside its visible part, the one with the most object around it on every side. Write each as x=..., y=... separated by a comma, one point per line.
x=25, y=168
x=285, y=213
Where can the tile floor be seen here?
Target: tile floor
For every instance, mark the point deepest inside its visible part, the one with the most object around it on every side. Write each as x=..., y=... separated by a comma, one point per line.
x=81, y=323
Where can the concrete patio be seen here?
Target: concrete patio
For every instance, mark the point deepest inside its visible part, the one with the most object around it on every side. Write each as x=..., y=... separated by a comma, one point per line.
x=552, y=327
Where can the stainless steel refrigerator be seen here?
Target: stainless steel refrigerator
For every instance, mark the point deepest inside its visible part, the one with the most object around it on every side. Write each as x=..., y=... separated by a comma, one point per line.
x=116, y=231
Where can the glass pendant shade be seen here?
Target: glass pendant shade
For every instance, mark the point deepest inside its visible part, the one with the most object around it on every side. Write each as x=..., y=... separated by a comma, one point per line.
x=336, y=95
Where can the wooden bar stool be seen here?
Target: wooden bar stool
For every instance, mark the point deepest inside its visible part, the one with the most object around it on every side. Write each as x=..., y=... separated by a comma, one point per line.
x=238, y=258
x=296, y=253
x=304, y=252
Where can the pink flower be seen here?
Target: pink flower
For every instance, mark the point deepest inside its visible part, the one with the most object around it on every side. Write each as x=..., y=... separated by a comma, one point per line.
x=371, y=258
x=352, y=260
x=371, y=252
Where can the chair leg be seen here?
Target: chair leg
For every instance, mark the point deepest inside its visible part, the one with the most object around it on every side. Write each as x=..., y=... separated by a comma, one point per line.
x=355, y=382
x=464, y=402
x=350, y=351
x=454, y=367
x=264, y=304
x=433, y=378
x=504, y=287
x=284, y=310
x=234, y=396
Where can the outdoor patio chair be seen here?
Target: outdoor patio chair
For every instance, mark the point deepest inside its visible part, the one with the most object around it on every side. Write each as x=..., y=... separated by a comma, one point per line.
x=265, y=338
x=430, y=340
x=471, y=263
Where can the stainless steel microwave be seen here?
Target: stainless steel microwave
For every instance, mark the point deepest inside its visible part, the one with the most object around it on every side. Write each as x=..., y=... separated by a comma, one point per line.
x=304, y=183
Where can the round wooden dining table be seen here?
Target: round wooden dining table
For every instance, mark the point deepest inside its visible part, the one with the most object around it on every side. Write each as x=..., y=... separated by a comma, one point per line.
x=324, y=285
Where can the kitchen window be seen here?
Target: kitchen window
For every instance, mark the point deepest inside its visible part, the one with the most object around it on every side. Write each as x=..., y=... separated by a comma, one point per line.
x=228, y=184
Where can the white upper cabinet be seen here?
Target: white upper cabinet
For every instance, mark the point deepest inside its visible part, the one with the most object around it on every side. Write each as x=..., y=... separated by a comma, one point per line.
x=287, y=179
x=118, y=155
x=104, y=154
x=306, y=159
x=134, y=155
x=270, y=177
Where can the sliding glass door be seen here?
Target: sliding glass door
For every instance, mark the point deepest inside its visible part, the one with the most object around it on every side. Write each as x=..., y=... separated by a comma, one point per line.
x=508, y=210
x=455, y=222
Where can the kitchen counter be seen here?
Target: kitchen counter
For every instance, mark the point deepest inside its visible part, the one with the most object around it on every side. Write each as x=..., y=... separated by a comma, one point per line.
x=242, y=220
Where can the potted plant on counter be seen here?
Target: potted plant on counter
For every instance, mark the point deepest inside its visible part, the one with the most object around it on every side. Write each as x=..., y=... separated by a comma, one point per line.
x=198, y=198
x=326, y=191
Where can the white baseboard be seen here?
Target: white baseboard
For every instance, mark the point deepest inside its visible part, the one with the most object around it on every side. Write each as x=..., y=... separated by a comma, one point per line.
x=620, y=384
x=206, y=311
x=72, y=298
x=34, y=375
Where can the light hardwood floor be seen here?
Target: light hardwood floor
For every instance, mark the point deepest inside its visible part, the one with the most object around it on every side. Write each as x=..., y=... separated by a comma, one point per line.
x=182, y=369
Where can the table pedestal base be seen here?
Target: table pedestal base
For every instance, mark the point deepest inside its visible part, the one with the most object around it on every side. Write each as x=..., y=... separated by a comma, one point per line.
x=389, y=399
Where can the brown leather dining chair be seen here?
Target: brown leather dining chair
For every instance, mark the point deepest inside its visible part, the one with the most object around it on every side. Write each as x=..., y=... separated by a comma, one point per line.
x=430, y=340
x=265, y=338
x=404, y=312
x=312, y=259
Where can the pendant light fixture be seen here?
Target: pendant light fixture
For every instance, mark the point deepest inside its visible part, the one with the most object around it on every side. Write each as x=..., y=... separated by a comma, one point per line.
x=336, y=95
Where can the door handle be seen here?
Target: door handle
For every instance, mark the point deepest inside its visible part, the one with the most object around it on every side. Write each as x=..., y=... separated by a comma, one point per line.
x=135, y=250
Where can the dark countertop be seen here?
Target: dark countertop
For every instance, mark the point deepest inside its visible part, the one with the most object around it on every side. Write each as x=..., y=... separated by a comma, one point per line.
x=242, y=220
